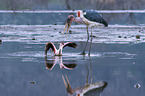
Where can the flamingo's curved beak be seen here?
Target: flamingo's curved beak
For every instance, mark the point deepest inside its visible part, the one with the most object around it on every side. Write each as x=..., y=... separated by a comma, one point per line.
x=69, y=20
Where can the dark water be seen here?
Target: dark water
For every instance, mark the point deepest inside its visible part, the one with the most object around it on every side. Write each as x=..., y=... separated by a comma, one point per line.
x=60, y=18
x=24, y=68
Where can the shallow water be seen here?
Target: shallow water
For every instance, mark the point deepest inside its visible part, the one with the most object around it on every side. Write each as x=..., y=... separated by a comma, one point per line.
x=117, y=61
x=54, y=33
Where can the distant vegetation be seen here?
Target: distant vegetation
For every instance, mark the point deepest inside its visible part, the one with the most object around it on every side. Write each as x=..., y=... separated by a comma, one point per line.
x=129, y=18
x=71, y=4
x=107, y=4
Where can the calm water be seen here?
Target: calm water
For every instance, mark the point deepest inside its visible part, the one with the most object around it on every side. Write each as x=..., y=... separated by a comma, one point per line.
x=25, y=71
x=53, y=18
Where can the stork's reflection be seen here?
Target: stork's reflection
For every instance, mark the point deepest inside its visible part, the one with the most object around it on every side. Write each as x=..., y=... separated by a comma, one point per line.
x=67, y=64
x=92, y=89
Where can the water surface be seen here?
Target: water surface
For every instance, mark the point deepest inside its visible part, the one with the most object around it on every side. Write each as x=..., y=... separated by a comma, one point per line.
x=119, y=61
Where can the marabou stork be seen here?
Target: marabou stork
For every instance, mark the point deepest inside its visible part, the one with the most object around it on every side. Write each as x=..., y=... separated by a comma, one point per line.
x=59, y=51
x=89, y=18
x=93, y=89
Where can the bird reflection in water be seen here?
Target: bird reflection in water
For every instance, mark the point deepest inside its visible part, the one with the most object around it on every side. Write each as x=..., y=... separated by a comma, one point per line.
x=58, y=60
x=92, y=89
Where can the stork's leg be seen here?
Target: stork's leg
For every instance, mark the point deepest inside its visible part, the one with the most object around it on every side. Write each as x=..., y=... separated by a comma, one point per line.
x=91, y=70
x=90, y=43
x=83, y=53
x=87, y=75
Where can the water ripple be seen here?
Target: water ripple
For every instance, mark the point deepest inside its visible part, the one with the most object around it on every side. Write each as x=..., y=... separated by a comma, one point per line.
x=40, y=34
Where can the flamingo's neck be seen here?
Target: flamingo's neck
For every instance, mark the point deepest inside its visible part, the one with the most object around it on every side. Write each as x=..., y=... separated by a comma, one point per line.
x=54, y=51
x=60, y=49
x=58, y=52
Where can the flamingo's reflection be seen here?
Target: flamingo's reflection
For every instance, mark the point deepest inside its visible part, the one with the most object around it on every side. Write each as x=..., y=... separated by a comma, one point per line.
x=50, y=63
x=92, y=89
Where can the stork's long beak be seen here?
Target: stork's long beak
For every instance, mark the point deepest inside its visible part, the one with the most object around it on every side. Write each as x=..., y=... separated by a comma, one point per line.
x=70, y=19
x=67, y=25
x=67, y=85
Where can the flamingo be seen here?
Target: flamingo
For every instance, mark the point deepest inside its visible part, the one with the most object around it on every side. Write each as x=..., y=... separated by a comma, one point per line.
x=59, y=51
x=58, y=60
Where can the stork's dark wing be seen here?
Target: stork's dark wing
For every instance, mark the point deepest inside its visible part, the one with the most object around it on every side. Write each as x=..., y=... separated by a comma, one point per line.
x=70, y=44
x=94, y=16
x=48, y=46
x=96, y=91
